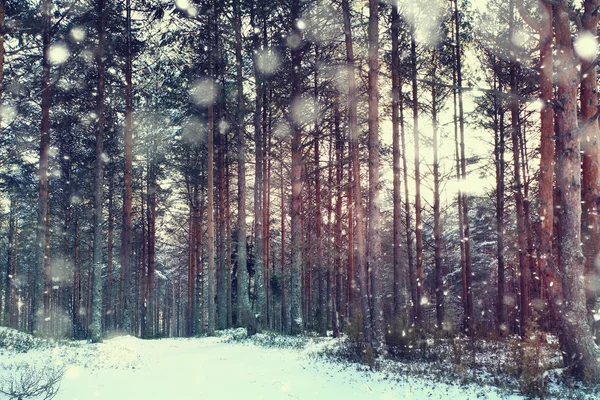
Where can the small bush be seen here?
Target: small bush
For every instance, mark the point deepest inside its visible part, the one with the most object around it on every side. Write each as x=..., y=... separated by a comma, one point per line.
x=24, y=381
x=355, y=348
x=457, y=350
x=403, y=341
x=20, y=342
x=533, y=375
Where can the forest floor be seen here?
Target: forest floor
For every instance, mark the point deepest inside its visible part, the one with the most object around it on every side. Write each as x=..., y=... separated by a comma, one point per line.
x=231, y=366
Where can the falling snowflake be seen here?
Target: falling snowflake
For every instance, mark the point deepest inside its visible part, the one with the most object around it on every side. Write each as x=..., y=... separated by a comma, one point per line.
x=586, y=46
x=58, y=53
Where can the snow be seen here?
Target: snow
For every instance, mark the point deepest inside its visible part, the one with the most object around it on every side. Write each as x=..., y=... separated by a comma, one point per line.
x=268, y=61
x=58, y=53
x=265, y=367
x=586, y=45
x=203, y=92
x=78, y=34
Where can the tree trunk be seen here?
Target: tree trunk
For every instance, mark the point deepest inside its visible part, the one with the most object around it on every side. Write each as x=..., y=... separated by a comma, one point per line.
x=260, y=305
x=576, y=336
x=397, y=194
x=211, y=224
x=126, y=243
x=285, y=322
x=8, y=283
x=330, y=250
x=499, y=148
x=143, y=297
x=76, y=301
x=211, y=192
x=360, y=291
x=2, y=40
x=229, y=240
x=199, y=278
x=374, y=260
x=418, y=221
x=518, y=194
x=96, y=309
x=437, y=227
x=591, y=168
x=464, y=200
x=37, y=305
x=266, y=196
x=296, y=318
x=321, y=263
x=221, y=273
x=339, y=155
x=409, y=242
x=108, y=308
x=243, y=300
x=151, y=299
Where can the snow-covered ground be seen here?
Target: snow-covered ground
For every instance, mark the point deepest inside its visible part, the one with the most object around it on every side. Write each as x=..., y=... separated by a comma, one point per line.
x=224, y=368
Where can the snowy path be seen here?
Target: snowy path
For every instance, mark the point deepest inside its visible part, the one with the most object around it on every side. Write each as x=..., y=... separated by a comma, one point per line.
x=210, y=368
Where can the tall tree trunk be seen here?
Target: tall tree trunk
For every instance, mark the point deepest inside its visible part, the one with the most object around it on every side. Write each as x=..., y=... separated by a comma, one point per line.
x=151, y=329
x=10, y=305
x=397, y=194
x=321, y=263
x=108, y=308
x=48, y=277
x=407, y=219
x=576, y=336
x=499, y=148
x=266, y=196
x=96, y=309
x=211, y=190
x=193, y=252
x=464, y=201
x=374, y=260
x=8, y=283
x=307, y=247
x=352, y=298
x=360, y=291
x=2, y=40
x=126, y=243
x=534, y=288
x=459, y=197
x=36, y=312
x=518, y=194
x=229, y=241
x=260, y=304
x=339, y=155
x=591, y=168
x=221, y=257
x=266, y=224
x=437, y=227
x=211, y=224
x=199, y=277
x=143, y=297
x=285, y=322
x=330, y=245
x=418, y=220
x=16, y=312
x=296, y=317
x=243, y=300
x=76, y=301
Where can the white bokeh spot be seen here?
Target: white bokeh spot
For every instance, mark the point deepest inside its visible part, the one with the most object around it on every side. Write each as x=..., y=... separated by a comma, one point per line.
x=203, y=92
x=58, y=53
x=586, y=46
